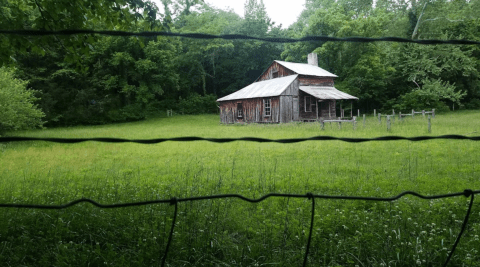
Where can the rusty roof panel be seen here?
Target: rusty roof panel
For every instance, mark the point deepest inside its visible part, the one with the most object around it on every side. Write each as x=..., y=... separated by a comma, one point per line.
x=306, y=69
x=326, y=92
x=266, y=88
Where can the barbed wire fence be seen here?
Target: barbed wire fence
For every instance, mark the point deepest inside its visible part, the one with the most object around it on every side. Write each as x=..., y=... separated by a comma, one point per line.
x=175, y=201
x=241, y=37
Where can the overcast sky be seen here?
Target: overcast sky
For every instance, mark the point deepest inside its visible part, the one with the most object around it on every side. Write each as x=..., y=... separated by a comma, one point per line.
x=280, y=11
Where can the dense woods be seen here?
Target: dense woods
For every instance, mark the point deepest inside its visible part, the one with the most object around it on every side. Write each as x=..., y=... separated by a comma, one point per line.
x=93, y=79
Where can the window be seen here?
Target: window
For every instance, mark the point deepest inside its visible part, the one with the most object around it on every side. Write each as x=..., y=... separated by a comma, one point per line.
x=266, y=105
x=308, y=106
x=274, y=73
x=239, y=110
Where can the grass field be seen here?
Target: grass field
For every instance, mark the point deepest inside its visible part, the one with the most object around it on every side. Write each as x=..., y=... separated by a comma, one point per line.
x=229, y=232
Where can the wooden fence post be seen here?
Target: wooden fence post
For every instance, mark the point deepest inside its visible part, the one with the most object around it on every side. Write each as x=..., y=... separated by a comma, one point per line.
x=423, y=113
x=400, y=116
x=429, y=125
x=379, y=117
x=393, y=112
x=388, y=123
x=374, y=113
x=363, y=120
x=323, y=124
x=433, y=113
x=358, y=112
x=413, y=113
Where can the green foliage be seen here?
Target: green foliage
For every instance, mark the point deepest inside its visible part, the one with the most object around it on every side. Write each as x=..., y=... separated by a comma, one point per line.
x=98, y=79
x=433, y=94
x=197, y=104
x=62, y=14
x=382, y=72
x=17, y=104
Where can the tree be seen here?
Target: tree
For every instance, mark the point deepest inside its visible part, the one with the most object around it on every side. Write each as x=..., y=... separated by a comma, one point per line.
x=17, y=104
x=62, y=14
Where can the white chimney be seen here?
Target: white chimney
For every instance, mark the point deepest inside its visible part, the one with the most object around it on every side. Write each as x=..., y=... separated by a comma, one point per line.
x=312, y=59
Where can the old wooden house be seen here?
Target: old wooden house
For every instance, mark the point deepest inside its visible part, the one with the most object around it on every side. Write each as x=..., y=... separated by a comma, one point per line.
x=285, y=92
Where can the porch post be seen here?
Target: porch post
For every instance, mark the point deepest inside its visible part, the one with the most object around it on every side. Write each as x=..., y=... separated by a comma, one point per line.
x=351, y=108
x=329, y=107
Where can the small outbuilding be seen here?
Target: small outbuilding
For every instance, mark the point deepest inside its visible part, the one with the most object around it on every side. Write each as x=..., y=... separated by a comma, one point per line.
x=285, y=92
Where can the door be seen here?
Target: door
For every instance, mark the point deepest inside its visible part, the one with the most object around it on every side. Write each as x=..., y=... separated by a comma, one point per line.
x=295, y=108
x=322, y=109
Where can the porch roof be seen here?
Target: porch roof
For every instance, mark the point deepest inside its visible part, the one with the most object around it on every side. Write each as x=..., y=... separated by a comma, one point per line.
x=326, y=92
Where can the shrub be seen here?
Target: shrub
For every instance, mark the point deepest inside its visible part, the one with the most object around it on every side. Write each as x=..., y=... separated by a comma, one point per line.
x=197, y=104
x=473, y=104
x=17, y=108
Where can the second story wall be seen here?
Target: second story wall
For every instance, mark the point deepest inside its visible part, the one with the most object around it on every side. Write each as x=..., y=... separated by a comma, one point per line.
x=275, y=71
x=312, y=80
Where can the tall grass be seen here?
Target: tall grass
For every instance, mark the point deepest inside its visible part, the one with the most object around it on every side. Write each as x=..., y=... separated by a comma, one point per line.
x=231, y=232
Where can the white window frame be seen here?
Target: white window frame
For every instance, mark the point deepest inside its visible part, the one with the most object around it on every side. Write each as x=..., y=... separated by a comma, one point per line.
x=267, y=111
x=309, y=105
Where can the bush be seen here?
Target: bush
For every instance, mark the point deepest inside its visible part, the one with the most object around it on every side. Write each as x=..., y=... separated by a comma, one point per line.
x=17, y=108
x=473, y=104
x=432, y=95
x=197, y=104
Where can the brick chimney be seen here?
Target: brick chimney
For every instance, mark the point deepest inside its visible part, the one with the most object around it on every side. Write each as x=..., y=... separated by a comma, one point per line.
x=312, y=59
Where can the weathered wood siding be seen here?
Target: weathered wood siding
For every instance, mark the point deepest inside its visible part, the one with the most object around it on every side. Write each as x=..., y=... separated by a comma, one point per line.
x=306, y=115
x=268, y=74
x=312, y=80
x=323, y=108
x=287, y=104
x=253, y=111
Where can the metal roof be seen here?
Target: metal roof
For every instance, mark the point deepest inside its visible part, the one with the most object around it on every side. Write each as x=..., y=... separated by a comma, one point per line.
x=306, y=69
x=325, y=92
x=266, y=88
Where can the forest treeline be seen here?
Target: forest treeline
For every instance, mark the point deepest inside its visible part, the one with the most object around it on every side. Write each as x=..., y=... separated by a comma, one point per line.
x=95, y=79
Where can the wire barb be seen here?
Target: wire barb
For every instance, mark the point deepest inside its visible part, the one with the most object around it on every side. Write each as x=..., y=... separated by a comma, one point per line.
x=316, y=38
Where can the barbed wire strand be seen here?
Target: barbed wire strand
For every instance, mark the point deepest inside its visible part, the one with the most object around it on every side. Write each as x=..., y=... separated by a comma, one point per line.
x=175, y=201
x=227, y=140
x=239, y=37
x=464, y=225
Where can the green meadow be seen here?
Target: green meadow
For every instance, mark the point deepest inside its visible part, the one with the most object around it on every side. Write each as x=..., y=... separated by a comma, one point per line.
x=231, y=232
